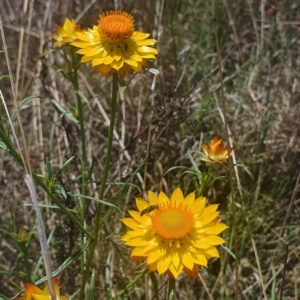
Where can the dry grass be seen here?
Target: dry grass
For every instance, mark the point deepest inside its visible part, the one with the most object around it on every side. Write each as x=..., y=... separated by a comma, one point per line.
x=161, y=117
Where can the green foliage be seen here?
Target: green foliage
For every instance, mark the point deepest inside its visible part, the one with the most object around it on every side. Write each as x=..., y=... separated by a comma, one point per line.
x=64, y=112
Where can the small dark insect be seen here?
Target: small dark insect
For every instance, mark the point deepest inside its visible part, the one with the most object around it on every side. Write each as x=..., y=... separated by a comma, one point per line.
x=148, y=209
x=125, y=47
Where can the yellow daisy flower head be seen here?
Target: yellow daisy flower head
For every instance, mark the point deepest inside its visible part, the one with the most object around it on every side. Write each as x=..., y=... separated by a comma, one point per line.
x=66, y=34
x=174, y=234
x=34, y=293
x=114, y=45
x=215, y=152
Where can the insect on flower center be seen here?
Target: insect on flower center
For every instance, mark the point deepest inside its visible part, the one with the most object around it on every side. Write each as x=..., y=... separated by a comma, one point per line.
x=172, y=221
x=115, y=26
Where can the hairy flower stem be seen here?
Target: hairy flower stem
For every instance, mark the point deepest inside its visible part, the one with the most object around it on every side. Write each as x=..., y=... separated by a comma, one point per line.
x=104, y=180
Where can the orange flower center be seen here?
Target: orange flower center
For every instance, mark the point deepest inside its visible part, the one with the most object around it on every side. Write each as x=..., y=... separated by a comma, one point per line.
x=172, y=220
x=115, y=26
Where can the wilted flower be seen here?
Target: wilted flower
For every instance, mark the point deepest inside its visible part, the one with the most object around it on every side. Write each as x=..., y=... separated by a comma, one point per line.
x=114, y=46
x=34, y=293
x=215, y=152
x=174, y=234
x=66, y=34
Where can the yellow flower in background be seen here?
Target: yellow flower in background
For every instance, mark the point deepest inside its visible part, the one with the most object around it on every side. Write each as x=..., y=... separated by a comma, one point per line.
x=174, y=234
x=34, y=293
x=66, y=34
x=114, y=45
x=215, y=152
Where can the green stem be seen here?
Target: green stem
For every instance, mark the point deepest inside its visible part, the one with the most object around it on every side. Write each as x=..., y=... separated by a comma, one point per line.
x=83, y=157
x=104, y=180
x=171, y=290
x=231, y=171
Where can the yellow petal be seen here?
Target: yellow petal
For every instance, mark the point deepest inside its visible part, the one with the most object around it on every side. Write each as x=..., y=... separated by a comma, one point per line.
x=163, y=197
x=131, y=63
x=98, y=61
x=213, y=252
x=136, y=242
x=216, y=229
x=148, y=42
x=152, y=247
x=153, y=257
x=163, y=264
x=69, y=25
x=177, y=195
x=175, y=272
x=129, y=222
x=137, y=35
x=145, y=49
x=189, y=199
x=108, y=60
x=90, y=51
x=117, y=64
x=136, y=215
x=202, y=244
x=198, y=204
x=176, y=260
x=209, y=209
x=141, y=204
x=138, y=252
x=188, y=261
x=153, y=200
x=40, y=297
x=200, y=259
x=213, y=240
x=209, y=218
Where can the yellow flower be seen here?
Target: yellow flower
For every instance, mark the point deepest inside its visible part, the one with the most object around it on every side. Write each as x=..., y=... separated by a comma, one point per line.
x=174, y=234
x=34, y=293
x=66, y=34
x=215, y=152
x=114, y=46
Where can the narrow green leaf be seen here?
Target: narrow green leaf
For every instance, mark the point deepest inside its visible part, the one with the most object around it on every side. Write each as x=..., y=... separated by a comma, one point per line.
x=65, y=164
x=65, y=112
x=49, y=167
x=193, y=161
x=91, y=287
x=24, y=101
x=2, y=297
x=4, y=77
x=122, y=89
x=228, y=251
x=81, y=95
x=3, y=146
x=59, y=189
x=176, y=167
x=97, y=200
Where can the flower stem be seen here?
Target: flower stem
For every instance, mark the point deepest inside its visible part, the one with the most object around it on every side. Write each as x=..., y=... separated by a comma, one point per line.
x=231, y=173
x=171, y=290
x=104, y=180
x=83, y=158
